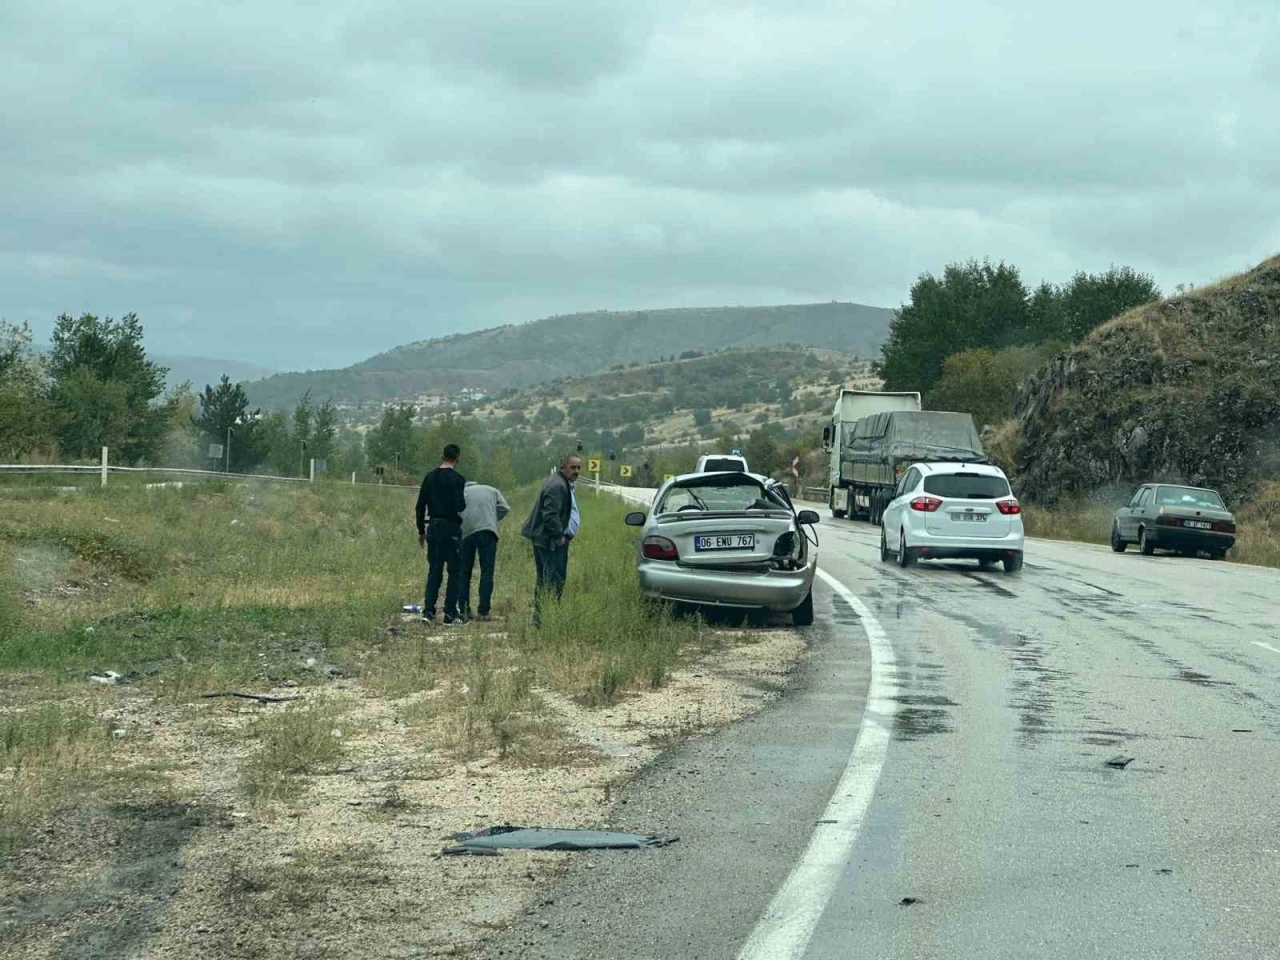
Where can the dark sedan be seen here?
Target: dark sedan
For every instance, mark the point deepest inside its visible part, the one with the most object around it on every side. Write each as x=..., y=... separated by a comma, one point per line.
x=1184, y=520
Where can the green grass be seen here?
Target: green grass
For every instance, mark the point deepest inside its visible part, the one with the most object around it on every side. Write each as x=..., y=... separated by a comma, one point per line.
x=294, y=743
x=219, y=586
x=47, y=751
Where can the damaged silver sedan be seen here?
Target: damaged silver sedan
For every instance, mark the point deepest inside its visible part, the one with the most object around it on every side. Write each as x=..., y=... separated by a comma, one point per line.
x=729, y=540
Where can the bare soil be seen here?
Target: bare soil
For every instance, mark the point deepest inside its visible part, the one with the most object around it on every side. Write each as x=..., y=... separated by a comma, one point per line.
x=176, y=862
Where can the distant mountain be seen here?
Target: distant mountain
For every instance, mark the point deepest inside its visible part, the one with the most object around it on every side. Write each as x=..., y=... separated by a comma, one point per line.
x=576, y=345
x=207, y=370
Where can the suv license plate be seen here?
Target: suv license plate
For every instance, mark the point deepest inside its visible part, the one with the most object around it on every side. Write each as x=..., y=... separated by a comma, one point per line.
x=733, y=541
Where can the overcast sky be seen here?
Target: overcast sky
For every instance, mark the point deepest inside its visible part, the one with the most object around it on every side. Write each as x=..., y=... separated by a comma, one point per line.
x=304, y=184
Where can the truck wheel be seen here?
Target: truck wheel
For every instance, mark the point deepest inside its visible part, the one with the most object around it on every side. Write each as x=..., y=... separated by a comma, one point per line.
x=851, y=504
x=835, y=511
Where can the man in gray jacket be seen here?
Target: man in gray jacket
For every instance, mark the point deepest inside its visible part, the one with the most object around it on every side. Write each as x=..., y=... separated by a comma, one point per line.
x=550, y=527
x=486, y=506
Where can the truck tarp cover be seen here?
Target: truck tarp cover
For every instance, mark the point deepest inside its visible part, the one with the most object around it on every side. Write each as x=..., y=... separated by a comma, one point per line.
x=903, y=435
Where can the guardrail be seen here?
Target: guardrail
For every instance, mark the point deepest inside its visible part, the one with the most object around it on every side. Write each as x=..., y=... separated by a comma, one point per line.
x=104, y=470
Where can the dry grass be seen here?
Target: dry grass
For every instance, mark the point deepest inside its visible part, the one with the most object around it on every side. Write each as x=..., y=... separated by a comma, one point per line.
x=294, y=743
x=1258, y=525
x=45, y=751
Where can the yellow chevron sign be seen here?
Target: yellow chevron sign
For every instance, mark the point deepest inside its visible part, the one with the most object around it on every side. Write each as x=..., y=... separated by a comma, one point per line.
x=624, y=470
x=593, y=466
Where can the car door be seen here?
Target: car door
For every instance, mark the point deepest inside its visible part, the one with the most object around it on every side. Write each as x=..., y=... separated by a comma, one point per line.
x=893, y=520
x=1124, y=515
x=1142, y=512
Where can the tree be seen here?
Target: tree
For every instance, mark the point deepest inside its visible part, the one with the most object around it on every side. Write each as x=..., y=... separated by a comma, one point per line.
x=972, y=305
x=1090, y=300
x=226, y=408
x=26, y=416
x=983, y=382
x=762, y=453
x=324, y=431
x=393, y=435
x=105, y=388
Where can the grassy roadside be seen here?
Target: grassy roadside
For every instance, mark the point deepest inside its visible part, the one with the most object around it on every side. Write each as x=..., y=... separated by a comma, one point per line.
x=1258, y=523
x=216, y=587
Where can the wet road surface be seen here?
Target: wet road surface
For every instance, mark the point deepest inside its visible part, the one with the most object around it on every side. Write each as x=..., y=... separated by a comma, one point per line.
x=994, y=815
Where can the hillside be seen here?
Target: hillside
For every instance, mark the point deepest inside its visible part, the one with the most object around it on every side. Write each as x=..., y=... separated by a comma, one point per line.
x=578, y=344
x=1186, y=389
x=207, y=370
x=688, y=400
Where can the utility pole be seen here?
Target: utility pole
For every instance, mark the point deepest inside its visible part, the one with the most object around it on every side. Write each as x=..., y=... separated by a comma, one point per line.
x=302, y=460
x=227, y=467
x=396, y=475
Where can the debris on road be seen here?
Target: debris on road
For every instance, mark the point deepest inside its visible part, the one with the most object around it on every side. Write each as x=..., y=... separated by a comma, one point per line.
x=261, y=698
x=107, y=677
x=490, y=840
x=1119, y=761
x=909, y=901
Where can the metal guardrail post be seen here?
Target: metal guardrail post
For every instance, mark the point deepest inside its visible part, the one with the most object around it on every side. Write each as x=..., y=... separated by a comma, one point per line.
x=104, y=466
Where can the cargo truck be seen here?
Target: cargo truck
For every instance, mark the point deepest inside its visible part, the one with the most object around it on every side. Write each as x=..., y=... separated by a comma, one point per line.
x=870, y=455
x=852, y=406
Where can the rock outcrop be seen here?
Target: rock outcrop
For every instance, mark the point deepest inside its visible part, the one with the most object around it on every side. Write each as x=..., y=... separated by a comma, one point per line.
x=1185, y=390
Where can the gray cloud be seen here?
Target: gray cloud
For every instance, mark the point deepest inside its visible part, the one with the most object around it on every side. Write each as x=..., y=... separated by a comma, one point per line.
x=305, y=184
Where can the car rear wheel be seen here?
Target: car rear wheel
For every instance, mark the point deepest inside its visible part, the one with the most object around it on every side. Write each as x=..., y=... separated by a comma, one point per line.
x=1145, y=546
x=905, y=557
x=1013, y=564
x=884, y=547
x=1217, y=554
x=1118, y=545
x=802, y=616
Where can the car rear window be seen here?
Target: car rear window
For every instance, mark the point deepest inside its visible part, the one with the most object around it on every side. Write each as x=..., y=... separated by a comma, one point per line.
x=729, y=493
x=722, y=464
x=966, y=486
x=1188, y=497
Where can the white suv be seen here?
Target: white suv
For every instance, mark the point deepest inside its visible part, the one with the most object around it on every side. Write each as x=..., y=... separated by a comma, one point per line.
x=953, y=510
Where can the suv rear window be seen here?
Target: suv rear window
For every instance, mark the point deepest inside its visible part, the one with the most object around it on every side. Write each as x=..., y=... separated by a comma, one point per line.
x=722, y=464
x=966, y=486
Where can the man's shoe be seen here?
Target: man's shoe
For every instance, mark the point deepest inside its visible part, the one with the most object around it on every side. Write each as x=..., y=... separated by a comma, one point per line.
x=428, y=618
x=454, y=621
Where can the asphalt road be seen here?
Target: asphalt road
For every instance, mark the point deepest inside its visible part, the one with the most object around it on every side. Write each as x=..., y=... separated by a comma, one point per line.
x=995, y=703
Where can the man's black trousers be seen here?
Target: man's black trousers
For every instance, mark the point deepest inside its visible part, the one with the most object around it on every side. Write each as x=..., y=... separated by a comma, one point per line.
x=444, y=553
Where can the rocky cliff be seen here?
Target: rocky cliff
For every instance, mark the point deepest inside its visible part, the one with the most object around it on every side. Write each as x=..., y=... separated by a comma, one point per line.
x=1185, y=390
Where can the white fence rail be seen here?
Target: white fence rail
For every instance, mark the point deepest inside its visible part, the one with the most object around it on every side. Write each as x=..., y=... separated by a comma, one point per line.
x=105, y=468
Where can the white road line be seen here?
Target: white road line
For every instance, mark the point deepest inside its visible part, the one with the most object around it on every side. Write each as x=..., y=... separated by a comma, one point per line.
x=784, y=931
x=1265, y=646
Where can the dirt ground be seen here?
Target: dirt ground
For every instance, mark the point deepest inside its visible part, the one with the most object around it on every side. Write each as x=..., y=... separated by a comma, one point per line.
x=185, y=867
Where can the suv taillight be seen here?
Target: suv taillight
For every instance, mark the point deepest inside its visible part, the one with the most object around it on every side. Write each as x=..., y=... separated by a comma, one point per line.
x=658, y=548
x=1009, y=508
x=926, y=504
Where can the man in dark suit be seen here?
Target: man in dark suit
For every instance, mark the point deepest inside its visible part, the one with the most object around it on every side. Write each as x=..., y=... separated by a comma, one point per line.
x=550, y=528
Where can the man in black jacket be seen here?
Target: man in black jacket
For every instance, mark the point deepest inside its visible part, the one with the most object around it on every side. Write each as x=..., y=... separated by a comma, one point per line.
x=438, y=514
x=550, y=529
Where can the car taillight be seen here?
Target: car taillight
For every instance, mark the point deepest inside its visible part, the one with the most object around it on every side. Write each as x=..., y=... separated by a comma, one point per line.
x=926, y=504
x=1010, y=508
x=658, y=548
x=1225, y=526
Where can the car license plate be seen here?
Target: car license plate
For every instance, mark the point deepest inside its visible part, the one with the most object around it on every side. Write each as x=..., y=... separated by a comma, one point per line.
x=1198, y=524
x=730, y=541
x=970, y=517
